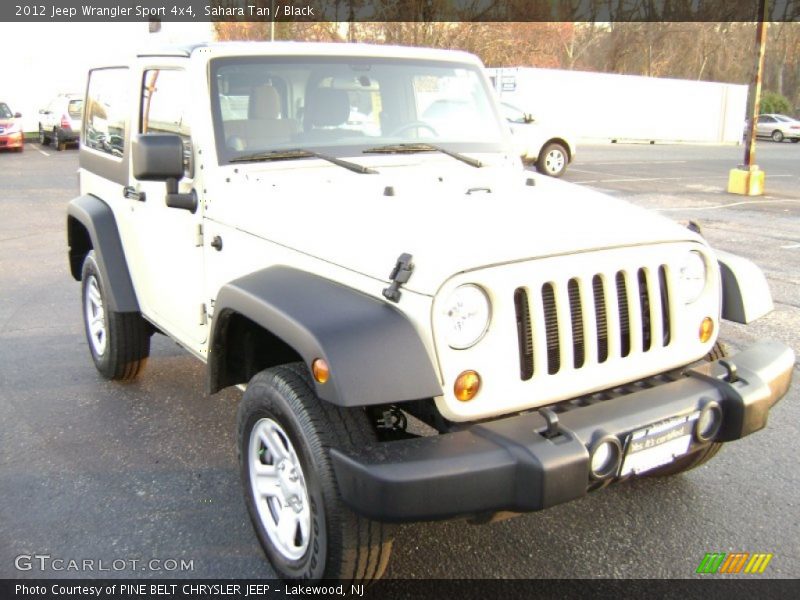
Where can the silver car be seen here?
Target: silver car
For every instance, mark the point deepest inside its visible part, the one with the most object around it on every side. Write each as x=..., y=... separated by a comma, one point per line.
x=778, y=127
x=60, y=122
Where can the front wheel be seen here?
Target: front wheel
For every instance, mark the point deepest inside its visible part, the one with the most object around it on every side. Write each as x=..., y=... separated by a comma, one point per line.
x=553, y=160
x=42, y=136
x=285, y=433
x=777, y=136
x=119, y=342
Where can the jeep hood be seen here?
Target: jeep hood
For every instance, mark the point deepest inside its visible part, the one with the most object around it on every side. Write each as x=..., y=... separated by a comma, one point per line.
x=450, y=217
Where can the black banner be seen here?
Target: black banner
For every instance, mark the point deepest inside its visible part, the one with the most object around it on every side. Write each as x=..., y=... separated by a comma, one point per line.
x=710, y=588
x=398, y=10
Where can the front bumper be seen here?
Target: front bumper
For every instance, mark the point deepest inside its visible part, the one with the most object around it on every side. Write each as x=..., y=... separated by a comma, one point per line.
x=511, y=464
x=12, y=140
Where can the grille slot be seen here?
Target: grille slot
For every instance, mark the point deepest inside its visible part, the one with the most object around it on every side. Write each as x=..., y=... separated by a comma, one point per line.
x=524, y=333
x=665, y=319
x=575, y=310
x=639, y=323
x=624, y=314
x=644, y=305
x=602, y=321
x=551, y=327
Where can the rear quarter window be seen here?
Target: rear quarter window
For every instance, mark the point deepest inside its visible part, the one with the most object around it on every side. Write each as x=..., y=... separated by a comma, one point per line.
x=106, y=111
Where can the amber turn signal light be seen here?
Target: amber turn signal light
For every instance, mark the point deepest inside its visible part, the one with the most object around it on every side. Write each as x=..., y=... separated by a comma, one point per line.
x=320, y=370
x=467, y=386
x=706, y=329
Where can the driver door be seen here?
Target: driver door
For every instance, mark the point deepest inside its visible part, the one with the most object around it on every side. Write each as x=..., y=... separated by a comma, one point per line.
x=168, y=240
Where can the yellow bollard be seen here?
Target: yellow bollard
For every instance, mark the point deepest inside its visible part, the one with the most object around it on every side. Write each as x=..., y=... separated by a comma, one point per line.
x=746, y=181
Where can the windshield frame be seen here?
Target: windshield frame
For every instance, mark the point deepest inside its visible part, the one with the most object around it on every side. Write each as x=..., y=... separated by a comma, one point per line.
x=225, y=155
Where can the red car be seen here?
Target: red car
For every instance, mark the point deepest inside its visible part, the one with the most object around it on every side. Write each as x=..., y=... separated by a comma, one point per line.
x=11, y=135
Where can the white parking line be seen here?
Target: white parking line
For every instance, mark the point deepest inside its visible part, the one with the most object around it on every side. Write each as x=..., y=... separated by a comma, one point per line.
x=762, y=201
x=635, y=179
x=790, y=246
x=40, y=151
x=641, y=162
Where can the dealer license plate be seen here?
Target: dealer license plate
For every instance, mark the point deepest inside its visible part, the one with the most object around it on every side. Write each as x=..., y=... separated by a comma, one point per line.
x=657, y=444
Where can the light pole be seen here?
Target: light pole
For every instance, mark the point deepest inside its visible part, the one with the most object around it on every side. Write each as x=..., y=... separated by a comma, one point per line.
x=747, y=179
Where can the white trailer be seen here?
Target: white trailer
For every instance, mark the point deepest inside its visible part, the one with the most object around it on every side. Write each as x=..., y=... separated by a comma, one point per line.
x=610, y=107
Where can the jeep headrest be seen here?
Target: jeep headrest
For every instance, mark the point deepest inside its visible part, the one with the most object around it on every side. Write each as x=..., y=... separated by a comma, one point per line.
x=264, y=103
x=326, y=108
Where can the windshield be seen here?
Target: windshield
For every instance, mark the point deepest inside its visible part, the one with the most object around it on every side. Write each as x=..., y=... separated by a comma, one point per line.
x=345, y=105
x=5, y=112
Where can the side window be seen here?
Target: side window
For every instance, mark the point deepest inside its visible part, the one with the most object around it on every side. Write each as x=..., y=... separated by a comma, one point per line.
x=106, y=111
x=164, y=107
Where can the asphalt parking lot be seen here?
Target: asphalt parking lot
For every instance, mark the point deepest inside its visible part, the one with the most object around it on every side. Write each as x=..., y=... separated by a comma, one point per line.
x=96, y=470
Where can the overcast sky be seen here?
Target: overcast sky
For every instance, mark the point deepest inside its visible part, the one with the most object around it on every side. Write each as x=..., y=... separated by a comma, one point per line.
x=43, y=59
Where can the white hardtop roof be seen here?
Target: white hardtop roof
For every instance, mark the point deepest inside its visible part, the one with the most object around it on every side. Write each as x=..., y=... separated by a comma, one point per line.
x=218, y=49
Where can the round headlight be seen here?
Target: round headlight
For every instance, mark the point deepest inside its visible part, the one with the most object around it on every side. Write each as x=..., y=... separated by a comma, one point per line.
x=466, y=316
x=692, y=277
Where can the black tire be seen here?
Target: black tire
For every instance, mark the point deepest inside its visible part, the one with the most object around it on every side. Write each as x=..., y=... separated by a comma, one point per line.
x=777, y=135
x=341, y=545
x=42, y=137
x=553, y=160
x=58, y=144
x=795, y=140
x=702, y=456
x=127, y=335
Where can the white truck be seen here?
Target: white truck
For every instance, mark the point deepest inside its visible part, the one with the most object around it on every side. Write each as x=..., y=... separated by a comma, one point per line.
x=423, y=329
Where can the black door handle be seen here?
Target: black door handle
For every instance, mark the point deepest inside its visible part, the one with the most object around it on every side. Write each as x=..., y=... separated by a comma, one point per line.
x=130, y=192
x=216, y=243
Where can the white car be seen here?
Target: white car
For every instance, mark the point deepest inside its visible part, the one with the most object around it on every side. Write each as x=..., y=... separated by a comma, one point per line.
x=550, y=150
x=358, y=275
x=778, y=127
x=60, y=121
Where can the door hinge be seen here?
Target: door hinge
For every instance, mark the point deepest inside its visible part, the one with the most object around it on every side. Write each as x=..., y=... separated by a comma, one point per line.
x=203, y=314
x=198, y=241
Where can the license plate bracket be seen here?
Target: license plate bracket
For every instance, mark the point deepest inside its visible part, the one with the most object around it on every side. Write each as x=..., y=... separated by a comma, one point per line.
x=657, y=444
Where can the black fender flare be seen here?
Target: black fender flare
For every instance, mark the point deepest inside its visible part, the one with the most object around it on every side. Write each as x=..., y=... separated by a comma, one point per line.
x=98, y=220
x=374, y=352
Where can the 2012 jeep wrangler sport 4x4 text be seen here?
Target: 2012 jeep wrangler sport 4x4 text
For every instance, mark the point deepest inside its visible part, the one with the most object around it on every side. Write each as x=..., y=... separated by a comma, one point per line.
x=422, y=328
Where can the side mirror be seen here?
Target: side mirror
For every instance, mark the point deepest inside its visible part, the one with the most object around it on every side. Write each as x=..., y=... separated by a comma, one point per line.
x=528, y=118
x=17, y=115
x=159, y=157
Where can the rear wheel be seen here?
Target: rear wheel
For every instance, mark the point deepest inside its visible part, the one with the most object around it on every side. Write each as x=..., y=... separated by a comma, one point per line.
x=285, y=433
x=777, y=136
x=119, y=342
x=702, y=456
x=553, y=160
x=57, y=143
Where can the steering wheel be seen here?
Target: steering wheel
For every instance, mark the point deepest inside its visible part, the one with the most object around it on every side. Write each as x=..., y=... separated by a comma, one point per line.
x=413, y=125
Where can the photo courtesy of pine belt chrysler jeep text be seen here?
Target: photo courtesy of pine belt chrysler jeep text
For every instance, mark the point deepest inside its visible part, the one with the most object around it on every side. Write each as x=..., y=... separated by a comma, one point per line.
x=422, y=328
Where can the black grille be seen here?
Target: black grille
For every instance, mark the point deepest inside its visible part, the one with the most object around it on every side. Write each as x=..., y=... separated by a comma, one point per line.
x=652, y=306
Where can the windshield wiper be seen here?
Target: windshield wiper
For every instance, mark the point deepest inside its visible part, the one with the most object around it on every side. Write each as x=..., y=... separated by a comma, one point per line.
x=302, y=153
x=422, y=147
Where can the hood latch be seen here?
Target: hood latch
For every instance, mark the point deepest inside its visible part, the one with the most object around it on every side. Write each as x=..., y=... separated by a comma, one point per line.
x=400, y=275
